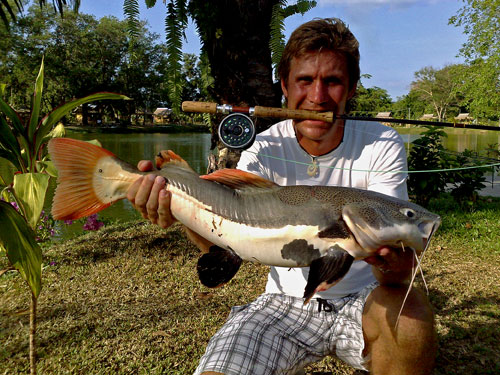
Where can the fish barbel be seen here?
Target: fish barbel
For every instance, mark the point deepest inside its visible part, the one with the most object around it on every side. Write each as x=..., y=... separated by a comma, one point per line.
x=247, y=217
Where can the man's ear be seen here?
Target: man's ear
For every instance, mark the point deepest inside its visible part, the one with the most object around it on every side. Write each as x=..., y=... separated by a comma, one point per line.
x=283, y=88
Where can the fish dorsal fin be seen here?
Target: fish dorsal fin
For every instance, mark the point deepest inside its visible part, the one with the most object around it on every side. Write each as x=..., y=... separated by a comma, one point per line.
x=167, y=157
x=238, y=179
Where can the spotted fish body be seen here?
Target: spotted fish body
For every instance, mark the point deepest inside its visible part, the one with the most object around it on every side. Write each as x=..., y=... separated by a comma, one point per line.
x=250, y=218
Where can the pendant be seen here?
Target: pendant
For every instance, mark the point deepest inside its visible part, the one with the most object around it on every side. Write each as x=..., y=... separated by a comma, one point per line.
x=312, y=169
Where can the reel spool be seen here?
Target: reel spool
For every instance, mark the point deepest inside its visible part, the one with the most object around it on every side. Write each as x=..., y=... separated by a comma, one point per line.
x=237, y=131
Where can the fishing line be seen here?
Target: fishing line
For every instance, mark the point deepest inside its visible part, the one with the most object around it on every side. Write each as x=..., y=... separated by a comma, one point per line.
x=376, y=171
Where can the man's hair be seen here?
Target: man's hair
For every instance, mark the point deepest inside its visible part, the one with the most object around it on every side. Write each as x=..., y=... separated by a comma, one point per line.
x=322, y=34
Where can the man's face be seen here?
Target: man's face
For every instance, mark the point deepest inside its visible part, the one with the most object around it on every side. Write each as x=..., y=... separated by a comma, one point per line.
x=318, y=81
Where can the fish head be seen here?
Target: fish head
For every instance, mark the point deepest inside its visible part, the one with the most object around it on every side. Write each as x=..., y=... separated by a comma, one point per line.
x=389, y=222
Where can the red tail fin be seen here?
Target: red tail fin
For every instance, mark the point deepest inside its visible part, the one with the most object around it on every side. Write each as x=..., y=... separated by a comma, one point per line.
x=76, y=162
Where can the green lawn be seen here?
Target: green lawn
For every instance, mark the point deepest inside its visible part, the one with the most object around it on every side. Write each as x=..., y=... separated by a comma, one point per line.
x=126, y=300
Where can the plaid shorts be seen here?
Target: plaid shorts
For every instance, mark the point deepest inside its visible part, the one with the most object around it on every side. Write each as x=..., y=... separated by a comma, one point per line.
x=278, y=334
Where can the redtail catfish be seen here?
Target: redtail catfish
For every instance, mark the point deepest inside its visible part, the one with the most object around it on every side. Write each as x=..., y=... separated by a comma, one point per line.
x=247, y=217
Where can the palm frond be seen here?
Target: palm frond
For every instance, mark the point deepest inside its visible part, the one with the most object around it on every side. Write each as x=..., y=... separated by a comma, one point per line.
x=150, y=3
x=281, y=10
x=131, y=13
x=6, y=7
x=174, y=30
x=277, y=40
x=301, y=6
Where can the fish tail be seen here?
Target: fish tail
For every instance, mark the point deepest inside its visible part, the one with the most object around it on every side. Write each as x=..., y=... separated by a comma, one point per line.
x=90, y=178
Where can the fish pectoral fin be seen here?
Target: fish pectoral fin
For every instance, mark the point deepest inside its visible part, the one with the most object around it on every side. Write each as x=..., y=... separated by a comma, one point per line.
x=326, y=271
x=218, y=266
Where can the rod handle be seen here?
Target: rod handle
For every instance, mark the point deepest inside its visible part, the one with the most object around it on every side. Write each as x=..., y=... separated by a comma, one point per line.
x=295, y=114
x=202, y=107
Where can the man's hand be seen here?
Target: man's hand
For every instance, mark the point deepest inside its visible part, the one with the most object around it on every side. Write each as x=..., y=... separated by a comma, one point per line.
x=392, y=265
x=149, y=197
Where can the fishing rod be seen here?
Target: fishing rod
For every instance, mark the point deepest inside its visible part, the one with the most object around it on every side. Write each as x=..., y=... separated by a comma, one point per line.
x=237, y=130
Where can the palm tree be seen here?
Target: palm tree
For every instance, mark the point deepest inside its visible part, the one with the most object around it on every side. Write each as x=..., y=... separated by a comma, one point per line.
x=241, y=42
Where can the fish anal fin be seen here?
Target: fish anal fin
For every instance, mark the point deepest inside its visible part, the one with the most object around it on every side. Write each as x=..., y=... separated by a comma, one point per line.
x=238, y=179
x=166, y=157
x=326, y=271
x=218, y=266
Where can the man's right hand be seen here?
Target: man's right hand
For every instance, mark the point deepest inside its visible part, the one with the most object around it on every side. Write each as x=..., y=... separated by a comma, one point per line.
x=149, y=196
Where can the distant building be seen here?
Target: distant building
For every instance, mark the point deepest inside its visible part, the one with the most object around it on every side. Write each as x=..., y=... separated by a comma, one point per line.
x=464, y=117
x=162, y=116
x=428, y=117
x=384, y=115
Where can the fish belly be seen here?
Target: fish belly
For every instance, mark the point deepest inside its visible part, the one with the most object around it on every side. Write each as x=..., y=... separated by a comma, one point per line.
x=286, y=246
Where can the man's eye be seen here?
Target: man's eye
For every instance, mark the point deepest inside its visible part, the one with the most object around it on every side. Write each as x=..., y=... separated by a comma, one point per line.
x=333, y=81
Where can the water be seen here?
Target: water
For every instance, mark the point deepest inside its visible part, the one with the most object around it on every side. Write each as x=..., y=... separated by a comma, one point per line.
x=195, y=147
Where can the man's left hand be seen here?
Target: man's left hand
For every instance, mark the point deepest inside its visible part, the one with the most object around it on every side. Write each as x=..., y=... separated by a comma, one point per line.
x=392, y=265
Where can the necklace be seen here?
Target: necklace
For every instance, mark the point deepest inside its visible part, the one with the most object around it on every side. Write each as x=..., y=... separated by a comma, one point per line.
x=312, y=169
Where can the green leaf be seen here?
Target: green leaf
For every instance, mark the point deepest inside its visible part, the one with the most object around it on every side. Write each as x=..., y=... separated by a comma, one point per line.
x=53, y=117
x=58, y=132
x=150, y=3
x=12, y=116
x=37, y=100
x=18, y=240
x=48, y=167
x=30, y=190
x=8, y=144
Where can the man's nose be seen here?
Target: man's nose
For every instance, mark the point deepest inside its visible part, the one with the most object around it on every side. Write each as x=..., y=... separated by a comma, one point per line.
x=319, y=92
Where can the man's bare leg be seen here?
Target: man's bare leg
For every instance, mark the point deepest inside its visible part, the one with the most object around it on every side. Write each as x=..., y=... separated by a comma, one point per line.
x=408, y=347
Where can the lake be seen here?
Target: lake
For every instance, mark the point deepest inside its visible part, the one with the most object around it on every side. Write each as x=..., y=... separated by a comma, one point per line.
x=195, y=147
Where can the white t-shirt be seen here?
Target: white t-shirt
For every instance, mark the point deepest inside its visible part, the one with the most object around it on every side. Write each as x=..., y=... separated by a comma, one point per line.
x=365, y=158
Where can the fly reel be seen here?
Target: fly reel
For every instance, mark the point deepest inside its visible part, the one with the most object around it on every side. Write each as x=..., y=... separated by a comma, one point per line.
x=237, y=131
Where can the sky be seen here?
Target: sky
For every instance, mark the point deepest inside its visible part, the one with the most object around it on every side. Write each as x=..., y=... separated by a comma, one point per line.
x=396, y=37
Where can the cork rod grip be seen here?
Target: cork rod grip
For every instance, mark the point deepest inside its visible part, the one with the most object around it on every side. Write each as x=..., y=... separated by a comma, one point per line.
x=295, y=114
x=202, y=107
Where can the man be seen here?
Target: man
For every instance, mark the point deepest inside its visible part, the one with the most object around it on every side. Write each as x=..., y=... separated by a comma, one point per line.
x=357, y=319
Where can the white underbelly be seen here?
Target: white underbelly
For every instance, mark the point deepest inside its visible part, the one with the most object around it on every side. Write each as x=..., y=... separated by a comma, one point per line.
x=263, y=245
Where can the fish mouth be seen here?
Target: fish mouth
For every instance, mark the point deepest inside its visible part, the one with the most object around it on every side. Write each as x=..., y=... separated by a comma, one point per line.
x=430, y=227
x=414, y=236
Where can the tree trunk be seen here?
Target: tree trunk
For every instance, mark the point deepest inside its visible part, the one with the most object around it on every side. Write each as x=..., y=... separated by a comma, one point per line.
x=236, y=36
x=85, y=114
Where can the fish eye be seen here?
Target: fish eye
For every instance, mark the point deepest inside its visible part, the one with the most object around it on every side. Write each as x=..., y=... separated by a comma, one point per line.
x=408, y=212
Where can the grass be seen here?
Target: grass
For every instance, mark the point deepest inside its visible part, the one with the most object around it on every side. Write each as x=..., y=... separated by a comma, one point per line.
x=127, y=300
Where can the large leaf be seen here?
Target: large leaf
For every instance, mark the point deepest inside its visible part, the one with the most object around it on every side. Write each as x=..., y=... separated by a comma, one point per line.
x=30, y=190
x=12, y=116
x=8, y=144
x=48, y=167
x=37, y=100
x=18, y=240
x=53, y=117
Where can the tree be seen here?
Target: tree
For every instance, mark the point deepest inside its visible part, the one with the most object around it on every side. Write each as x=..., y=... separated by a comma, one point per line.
x=17, y=6
x=82, y=55
x=235, y=37
x=438, y=88
x=480, y=20
x=370, y=100
x=409, y=106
